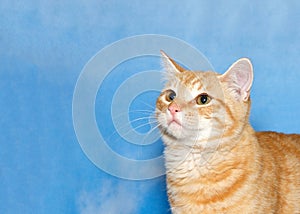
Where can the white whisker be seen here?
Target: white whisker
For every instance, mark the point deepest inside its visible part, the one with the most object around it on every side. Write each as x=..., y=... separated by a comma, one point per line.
x=145, y=124
x=152, y=130
x=134, y=111
x=147, y=104
x=134, y=128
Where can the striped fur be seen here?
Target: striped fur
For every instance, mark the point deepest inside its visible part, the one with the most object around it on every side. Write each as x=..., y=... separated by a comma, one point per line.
x=215, y=161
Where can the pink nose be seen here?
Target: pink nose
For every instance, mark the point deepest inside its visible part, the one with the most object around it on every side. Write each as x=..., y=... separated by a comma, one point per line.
x=174, y=108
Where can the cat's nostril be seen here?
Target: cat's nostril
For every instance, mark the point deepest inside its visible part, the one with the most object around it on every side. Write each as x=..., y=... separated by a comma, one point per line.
x=174, y=108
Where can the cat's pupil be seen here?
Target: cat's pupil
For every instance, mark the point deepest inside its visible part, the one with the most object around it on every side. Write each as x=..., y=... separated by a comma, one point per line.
x=203, y=99
x=172, y=95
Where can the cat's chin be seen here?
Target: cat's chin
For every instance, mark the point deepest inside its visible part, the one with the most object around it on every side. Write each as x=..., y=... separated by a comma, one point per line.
x=175, y=130
x=187, y=136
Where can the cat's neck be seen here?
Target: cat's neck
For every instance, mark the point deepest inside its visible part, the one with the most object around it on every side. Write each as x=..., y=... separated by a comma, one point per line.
x=205, y=176
x=203, y=157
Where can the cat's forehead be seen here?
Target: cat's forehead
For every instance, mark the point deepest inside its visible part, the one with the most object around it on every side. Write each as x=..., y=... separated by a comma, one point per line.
x=195, y=82
x=191, y=79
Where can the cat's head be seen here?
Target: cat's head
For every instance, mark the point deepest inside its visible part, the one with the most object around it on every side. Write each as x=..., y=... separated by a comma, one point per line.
x=199, y=106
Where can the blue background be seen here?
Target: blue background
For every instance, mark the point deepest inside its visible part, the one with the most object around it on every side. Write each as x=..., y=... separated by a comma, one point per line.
x=44, y=45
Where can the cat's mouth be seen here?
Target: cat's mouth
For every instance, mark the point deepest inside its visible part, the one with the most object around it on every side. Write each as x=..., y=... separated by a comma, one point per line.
x=174, y=121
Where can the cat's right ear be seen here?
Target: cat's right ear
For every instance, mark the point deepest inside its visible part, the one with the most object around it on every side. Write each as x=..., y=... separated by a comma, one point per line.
x=170, y=65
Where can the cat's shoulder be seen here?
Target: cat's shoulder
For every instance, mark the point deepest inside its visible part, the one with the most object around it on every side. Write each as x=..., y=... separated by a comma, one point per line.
x=277, y=136
x=278, y=140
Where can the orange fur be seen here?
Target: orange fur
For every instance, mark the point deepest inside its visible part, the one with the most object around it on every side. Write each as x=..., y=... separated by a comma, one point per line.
x=215, y=161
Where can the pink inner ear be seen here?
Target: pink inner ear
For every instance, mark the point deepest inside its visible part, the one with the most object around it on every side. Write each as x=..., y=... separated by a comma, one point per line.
x=243, y=80
x=247, y=75
x=240, y=76
x=244, y=75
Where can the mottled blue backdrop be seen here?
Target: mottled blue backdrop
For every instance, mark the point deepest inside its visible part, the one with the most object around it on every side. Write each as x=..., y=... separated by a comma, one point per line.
x=44, y=46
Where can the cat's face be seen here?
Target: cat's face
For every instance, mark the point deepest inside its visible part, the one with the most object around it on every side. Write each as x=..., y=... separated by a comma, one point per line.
x=198, y=106
x=188, y=106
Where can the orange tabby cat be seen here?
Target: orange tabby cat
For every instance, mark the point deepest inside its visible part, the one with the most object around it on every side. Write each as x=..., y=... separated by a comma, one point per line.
x=215, y=161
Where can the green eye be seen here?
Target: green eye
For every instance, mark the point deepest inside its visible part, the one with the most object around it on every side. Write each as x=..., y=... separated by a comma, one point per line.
x=170, y=95
x=203, y=99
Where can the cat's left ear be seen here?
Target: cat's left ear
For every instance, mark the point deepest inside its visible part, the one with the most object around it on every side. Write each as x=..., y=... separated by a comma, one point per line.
x=239, y=78
x=170, y=65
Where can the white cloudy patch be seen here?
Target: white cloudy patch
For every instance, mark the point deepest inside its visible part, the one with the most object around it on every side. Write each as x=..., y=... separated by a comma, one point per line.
x=112, y=198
